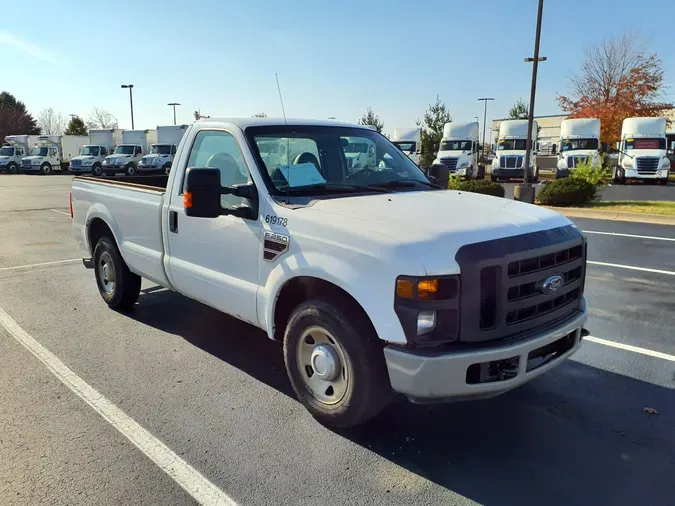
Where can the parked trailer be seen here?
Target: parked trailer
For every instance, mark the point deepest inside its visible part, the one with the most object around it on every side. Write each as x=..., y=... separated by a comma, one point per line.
x=11, y=153
x=53, y=152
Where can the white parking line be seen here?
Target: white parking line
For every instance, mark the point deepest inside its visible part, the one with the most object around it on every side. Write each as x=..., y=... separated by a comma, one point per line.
x=201, y=489
x=60, y=212
x=650, y=237
x=633, y=267
x=43, y=264
x=628, y=347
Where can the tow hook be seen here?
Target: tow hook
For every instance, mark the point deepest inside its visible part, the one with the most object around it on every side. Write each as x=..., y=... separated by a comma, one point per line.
x=508, y=368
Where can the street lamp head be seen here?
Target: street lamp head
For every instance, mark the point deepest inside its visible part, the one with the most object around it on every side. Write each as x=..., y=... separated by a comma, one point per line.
x=126, y=86
x=485, y=98
x=173, y=103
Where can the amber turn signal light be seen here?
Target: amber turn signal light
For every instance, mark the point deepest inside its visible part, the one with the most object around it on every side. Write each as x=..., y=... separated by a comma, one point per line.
x=404, y=288
x=427, y=289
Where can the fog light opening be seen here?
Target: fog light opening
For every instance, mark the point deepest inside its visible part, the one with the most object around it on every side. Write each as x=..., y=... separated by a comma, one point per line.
x=426, y=322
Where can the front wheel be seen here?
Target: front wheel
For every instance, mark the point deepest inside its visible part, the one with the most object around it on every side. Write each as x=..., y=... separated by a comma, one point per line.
x=131, y=169
x=97, y=170
x=335, y=363
x=46, y=169
x=118, y=286
x=12, y=168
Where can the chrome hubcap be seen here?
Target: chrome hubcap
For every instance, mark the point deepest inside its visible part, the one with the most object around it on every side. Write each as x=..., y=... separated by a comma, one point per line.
x=321, y=363
x=106, y=271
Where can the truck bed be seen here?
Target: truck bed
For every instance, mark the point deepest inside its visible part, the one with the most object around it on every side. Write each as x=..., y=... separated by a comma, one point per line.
x=157, y=182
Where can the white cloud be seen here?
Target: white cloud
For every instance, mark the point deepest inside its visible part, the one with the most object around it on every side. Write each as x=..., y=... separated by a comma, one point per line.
x=10, y=40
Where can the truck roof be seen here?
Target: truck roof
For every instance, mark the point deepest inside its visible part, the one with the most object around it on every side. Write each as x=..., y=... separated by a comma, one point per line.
x=644, y=127
x=460, y=130
x=580, y=127
x=257, y=122
x=516, y=128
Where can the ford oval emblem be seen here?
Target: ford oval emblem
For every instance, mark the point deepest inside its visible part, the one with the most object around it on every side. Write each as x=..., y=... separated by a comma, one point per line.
x=552, y=284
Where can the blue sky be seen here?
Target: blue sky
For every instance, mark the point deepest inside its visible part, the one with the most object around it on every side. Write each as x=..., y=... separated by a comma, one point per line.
x=333, y=58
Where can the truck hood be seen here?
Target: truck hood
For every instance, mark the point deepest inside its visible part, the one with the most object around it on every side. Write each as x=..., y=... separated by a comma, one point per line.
x=112, y=158
x=517, y=152
x=580, y=152
x=637, y=153
x=351, y=155
x=432, y=225
x=83, y=157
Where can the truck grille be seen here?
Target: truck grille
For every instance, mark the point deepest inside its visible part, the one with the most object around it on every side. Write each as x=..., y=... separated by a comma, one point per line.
x=76, y=163
x=511, y=162
x=450, y=163
x=25, y=163
x=502, y=283
x=573, y=161
x=647, y=164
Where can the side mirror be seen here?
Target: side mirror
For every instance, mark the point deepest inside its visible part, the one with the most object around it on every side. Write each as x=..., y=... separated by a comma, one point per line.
x=202, y=195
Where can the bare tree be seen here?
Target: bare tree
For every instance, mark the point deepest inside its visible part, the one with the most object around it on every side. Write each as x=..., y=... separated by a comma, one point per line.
x=101, y=119
x=51, y=122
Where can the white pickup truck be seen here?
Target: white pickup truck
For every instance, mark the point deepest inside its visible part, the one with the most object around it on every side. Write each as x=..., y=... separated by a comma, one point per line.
x=369, y=291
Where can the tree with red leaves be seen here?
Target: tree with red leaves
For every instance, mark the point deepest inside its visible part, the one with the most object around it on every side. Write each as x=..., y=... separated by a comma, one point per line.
x=14, y=118
x=618, y=79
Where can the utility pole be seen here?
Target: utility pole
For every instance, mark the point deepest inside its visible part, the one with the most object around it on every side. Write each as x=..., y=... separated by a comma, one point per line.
x=174, y=104
x=486, y=100
x=525, y=191
x=131, y=101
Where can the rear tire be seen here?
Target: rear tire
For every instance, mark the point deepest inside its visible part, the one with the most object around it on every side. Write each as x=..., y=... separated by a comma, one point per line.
x=118, y=286
x=359, y=387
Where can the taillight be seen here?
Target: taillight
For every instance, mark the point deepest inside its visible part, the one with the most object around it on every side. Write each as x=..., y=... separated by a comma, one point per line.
x=70, y=198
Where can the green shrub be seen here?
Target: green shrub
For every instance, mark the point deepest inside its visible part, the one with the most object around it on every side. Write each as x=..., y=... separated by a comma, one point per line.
x=566, y=192
x=484, y=186
x=593, y=174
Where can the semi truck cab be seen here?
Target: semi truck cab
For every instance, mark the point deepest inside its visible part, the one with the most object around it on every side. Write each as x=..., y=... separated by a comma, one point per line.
x=642, y=152
x=459, y=150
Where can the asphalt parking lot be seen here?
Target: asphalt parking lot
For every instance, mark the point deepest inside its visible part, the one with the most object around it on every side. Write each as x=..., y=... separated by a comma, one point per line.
x=214, y=391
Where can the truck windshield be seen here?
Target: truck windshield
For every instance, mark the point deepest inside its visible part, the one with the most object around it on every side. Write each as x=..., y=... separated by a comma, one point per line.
x=89, y=151
x=7, y=151
x=161, y=149
x=455, y=145
x=574, y=144
x=39, y=151
x=356, y=147
x=125, y=149
x=406, y=147
x=512, y=145
x=645, y=143
x=312, y=161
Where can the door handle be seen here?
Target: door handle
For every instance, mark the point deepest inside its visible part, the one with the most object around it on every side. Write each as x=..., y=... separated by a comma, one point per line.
x=173, y=222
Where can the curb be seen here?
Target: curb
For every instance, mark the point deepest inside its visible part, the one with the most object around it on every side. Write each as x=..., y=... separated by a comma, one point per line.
x=580, y=212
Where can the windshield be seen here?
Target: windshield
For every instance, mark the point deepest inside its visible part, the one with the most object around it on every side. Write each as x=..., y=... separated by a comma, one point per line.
x=512, y=145
x=574, y=144
x=39, y=151
x=406, y=147
x=89, y=150
x=455, y=146
x=161, y=149
x=7, y=151
x=312, y=159
x=646, y=143
x=125, y=149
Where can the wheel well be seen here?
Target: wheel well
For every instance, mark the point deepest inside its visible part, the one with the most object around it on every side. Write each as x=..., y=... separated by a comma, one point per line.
x=97, y=229
x=300, y=289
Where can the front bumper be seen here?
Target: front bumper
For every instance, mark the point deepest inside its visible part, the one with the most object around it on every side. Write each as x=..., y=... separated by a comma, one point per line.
x=508, y=173
x=149, y=167
x=634, y=174
x=427, y=376
x=30, y=168
x=77, y=169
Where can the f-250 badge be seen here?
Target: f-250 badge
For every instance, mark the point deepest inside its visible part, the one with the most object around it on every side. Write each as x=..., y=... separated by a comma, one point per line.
x=275, y=245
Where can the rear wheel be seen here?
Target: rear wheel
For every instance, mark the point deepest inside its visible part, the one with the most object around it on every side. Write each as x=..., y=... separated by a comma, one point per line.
x=335, y=363
x=46, y=168
x=118, y=286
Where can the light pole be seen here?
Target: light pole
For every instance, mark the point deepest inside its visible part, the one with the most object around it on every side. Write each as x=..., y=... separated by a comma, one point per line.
x=486, y=100
x=174, y=104
x=131, y=101
x=525, y=191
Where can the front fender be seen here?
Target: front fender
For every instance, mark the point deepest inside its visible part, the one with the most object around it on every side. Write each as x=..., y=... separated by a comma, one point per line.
x=375, y=292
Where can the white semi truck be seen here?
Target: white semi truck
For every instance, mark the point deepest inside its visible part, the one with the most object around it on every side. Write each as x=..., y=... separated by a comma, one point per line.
x=53, y=152
x=408, y=140
x=509, y=160
x=11, y=153
x=642, y=152
x=459, y=150
x=579, y=143
x=127, y=155
x=91, y=157
x=161, y=154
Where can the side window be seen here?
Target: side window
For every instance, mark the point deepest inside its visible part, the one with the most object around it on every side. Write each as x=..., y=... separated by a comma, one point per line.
x=19, y=152
x=104, y=151
x=218, y=149
x=52, y=152
x=138, y=150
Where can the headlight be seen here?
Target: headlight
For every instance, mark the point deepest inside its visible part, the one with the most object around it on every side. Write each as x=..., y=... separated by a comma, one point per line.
x=626, y=164
x=464, y=165
x=666, y=163
x=495, y=163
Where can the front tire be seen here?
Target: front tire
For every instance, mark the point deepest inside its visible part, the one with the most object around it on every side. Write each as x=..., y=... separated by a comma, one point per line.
x=131, y=170
x=46, y=168
x=335, y=363
x=97, y=170
x=118, y=286
x=12, y=168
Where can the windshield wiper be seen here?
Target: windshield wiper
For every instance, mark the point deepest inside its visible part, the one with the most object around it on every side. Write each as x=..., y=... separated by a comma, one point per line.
x=405, y=183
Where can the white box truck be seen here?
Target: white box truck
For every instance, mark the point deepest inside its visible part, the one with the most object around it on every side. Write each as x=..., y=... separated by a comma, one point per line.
x=11, y=153
x=579, y=143
x=161, y=154
x=509, y=160
x=91, y=157
x=459, y=150
x=359, y=153
x=642, y=152
x=53, y=152
x=408, y=141
x=127, y=155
